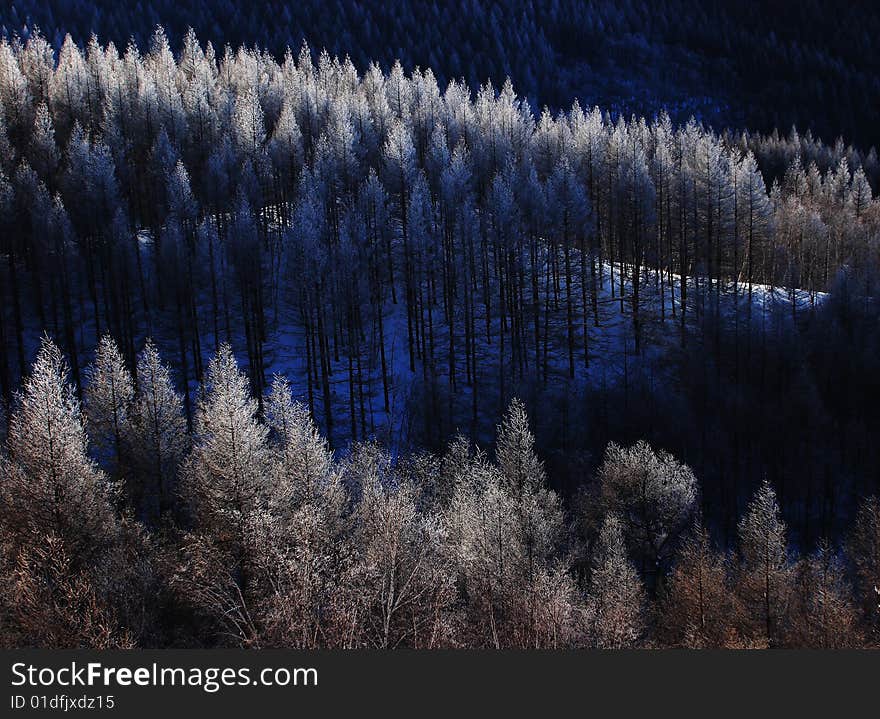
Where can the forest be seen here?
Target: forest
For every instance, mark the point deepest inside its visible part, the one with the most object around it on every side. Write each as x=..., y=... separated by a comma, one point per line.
x=299, y=353
x=756, y=64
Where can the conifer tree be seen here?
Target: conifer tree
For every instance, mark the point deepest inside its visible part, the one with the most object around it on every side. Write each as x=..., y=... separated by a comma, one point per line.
x=50, y=485
x=157, y=437
x=522, y=470
x=305, y=466
x=615, y=597
x=696, y=608
x=108, y=395
x=225, y=477
x=823, y=614
x=764, y=573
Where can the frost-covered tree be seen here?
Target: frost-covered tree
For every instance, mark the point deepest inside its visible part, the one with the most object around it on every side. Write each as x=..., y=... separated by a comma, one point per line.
x=68, y=87
x=180, y=200
x=515, y=451
x=157, y=436
x=860, y=194
x=225, y=478
x=54, y=603
x=305, y=466
x=78, y=575
x=247, y=122
x=505, y=539
x=225, y=482
x=823, y=614
x=285, y=148
x=653, y=495
x=571, y=211
x=404, y=567
x=753, y=217
x=537, y=531
x=696, y=607
x=764, y=574
x=308, y=550
x=43, y=152
x=615, y=596
x=108, y=395
x=15, y=95
x=49, y=482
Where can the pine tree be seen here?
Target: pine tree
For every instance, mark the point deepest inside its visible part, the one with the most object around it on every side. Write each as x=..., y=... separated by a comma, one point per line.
x=764, y=573
x=615, y=597
x=226, y=475
x=157, y=437
x=696, y=608
x=823, y=614
x=108, y=394
x=49, y=483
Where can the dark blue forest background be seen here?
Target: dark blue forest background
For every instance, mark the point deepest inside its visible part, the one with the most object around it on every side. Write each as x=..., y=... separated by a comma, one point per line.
x=756, y=64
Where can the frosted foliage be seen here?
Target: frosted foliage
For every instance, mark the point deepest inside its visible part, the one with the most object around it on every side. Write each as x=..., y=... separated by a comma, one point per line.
x=49, y=481
x=615, y=597
x=765, y=573
x=158, y=427
x=225, y=477
x=109, y=392
x=652, y=493
x=304, y=462
x=519, y=464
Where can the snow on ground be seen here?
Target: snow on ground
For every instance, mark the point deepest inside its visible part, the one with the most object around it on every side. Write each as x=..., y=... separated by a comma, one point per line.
x=611, y=348
x=611, y=345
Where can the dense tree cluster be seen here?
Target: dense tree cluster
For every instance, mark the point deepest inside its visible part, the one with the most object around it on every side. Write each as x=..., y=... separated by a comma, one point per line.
x=272, y=540
x=744, y=64
x=411, y=257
